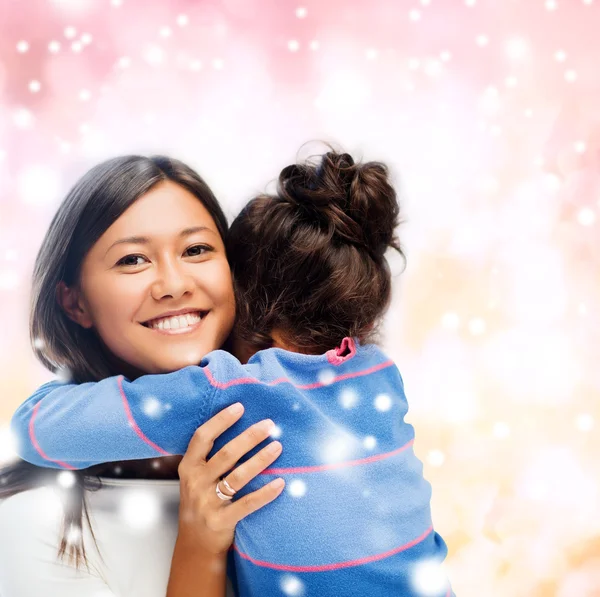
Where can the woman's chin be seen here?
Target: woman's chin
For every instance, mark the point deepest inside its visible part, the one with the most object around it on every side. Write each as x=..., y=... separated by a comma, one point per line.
x=176, y=362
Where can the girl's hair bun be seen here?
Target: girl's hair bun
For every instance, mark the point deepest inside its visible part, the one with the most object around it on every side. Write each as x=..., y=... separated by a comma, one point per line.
x=355, y=202
x=309, y=260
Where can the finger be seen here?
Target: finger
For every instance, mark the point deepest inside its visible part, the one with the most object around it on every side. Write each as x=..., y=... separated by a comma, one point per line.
x=227, y=457
x=244, y=473
x=254, y=501
x=204, y=437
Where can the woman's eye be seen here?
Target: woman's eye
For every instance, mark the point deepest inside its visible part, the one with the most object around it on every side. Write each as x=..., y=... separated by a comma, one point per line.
x=130, y=260
x=197, y=250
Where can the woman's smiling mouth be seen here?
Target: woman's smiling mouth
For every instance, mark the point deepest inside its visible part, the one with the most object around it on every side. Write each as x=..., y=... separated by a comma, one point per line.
x=183, y=323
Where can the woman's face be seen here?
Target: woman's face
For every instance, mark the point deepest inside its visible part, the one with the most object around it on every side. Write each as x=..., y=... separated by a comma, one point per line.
x=157, y=286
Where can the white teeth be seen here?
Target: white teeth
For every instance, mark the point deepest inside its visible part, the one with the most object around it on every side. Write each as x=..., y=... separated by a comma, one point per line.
x=176, y=322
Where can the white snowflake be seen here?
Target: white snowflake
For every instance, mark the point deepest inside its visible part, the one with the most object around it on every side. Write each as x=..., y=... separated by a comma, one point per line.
x=501, y=430
x=154, y=55
x=450, y=320
x=584, y=422
x=429, y=578
x=383, y=402
x=348, y=398
x=64, y=374
x=436, y=457
x=140, y=510
x=326, y=376
x=369, y=442
x=73, y=535
x=338, y=448
x=152, y=407
x=66, y=479
x=292, y=585
x=23, y=118
x=297, y=488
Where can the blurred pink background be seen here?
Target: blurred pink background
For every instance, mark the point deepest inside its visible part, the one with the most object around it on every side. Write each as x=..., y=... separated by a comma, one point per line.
x=488, y=114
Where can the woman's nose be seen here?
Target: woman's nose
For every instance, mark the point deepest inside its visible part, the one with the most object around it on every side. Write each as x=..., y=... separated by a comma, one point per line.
x=173, y=282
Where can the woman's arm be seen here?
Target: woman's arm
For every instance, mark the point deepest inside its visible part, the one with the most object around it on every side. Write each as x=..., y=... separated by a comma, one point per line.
x=196, y=572
x=207, y=523
x=75, y=426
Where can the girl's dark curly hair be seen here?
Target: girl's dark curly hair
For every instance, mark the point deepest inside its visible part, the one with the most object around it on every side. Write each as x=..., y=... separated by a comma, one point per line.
x=309, y=261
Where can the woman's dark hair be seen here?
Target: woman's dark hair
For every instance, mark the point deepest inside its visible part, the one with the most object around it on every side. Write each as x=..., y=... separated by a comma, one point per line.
x=97, y=200
x=309, y=261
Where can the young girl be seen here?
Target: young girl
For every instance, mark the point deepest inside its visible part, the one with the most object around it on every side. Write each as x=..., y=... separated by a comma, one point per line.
x=311, y=282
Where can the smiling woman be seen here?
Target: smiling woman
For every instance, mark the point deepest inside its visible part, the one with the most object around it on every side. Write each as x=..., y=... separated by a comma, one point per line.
x=132, y=277
x=136, y=288
x=119, y=199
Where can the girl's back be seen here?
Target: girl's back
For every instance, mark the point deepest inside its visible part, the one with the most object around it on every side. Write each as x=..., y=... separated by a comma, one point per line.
x=355, y=493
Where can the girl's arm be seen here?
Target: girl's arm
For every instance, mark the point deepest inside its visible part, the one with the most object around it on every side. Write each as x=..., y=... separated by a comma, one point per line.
x=75, y=426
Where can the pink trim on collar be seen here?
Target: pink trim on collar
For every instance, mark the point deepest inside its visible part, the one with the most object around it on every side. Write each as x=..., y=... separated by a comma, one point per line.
x=336, y=356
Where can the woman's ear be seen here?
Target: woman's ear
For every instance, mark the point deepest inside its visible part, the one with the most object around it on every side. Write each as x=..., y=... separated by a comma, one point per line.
x=70, y=299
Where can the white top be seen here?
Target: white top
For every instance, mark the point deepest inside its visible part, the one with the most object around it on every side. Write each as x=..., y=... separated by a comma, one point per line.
x=135, y=524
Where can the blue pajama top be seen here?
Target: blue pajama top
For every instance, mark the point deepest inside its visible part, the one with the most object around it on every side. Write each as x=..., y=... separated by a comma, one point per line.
x=354, y=519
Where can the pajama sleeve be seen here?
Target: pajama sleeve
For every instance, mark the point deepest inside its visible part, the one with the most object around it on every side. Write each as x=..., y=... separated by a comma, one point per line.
x=74, y=426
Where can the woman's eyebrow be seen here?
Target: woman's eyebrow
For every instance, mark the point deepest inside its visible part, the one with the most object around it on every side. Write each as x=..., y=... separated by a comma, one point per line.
x=144, y=240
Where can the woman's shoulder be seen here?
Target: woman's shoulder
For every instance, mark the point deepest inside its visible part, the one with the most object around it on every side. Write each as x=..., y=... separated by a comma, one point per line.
x=134, y=524
x=30, y=527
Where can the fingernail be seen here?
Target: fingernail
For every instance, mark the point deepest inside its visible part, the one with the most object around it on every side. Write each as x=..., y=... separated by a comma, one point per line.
x=274, y=447
x=267, y=424
x=277, y=483
x=236, y=408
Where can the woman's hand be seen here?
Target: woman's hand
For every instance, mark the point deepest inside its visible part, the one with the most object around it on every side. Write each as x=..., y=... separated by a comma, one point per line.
x=205, y=520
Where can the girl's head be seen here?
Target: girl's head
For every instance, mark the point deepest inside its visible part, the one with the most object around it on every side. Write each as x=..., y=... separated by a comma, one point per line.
x=136, y=240
x=309, y=262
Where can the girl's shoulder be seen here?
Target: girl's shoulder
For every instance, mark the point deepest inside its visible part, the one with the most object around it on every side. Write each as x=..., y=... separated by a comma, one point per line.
x=272, y=365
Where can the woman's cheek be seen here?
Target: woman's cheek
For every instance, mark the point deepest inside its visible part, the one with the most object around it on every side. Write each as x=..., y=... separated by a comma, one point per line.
x=216, y=281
